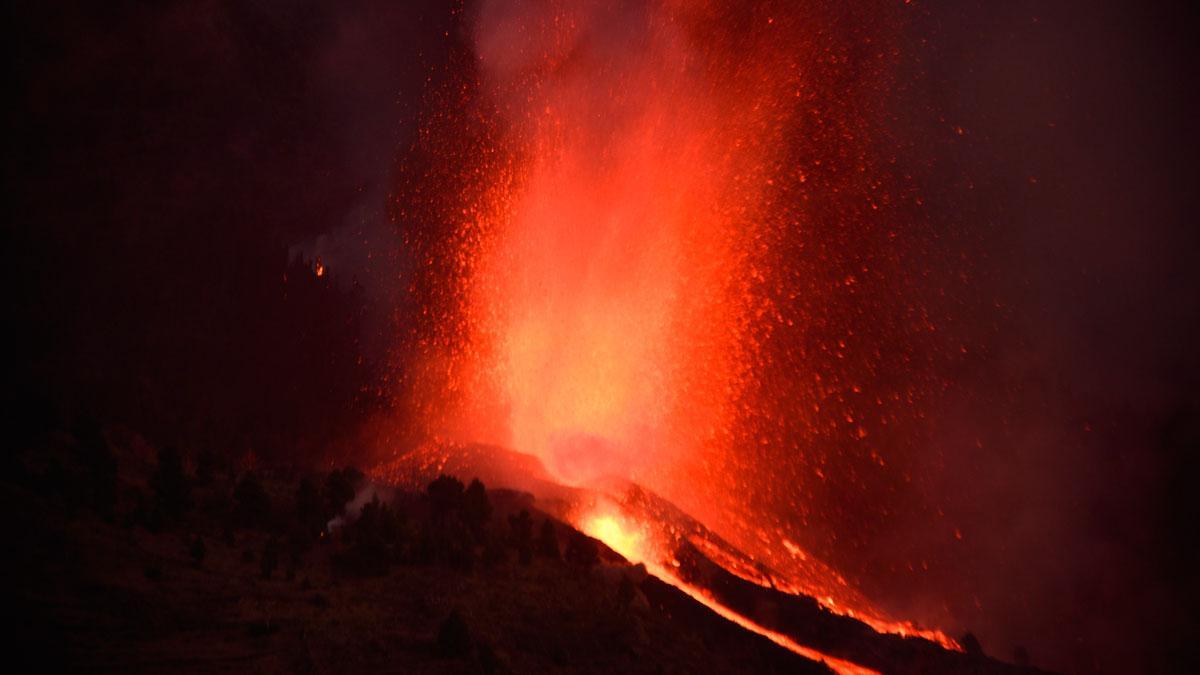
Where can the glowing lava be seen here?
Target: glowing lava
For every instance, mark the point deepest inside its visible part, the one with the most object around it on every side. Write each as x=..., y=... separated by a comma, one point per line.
x=610, y=530
x=632, y=541
x=838, y=665
x=676, y=255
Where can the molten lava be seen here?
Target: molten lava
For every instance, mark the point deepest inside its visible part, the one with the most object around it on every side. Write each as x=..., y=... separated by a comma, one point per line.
x=619, y=536
x=678, y=256
x=632, y=541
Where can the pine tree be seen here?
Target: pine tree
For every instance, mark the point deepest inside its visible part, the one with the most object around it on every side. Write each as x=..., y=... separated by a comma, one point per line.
x=445, y=495
x=522, y=530
x=547, y=542
x=172, y=490
x=477, y=508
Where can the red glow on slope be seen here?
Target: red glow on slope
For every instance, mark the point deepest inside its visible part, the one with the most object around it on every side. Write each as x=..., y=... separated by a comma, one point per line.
x=633, y=542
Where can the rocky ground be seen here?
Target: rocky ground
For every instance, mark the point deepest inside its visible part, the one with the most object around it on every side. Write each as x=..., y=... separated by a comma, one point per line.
x=134, y=559
x=121, y=588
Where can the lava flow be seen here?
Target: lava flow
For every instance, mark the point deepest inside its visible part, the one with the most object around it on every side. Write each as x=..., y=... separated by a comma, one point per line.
x=635, y=540
x=677, y=255
x=631, y=541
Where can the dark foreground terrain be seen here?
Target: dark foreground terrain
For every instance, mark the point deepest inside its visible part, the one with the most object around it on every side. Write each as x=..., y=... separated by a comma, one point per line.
x=116, y=582
x=131, y=558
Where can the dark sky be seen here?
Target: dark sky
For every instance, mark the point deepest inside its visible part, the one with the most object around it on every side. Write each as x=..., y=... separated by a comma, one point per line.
x=1078, y=153
x=168, y=162
x=169, y=165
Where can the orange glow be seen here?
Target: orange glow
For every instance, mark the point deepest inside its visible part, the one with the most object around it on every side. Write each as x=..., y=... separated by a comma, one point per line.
x=838, y=665
x=634, y=543
x=643, y=542
x=609, y=278
x=628, y=542
x=667, y=261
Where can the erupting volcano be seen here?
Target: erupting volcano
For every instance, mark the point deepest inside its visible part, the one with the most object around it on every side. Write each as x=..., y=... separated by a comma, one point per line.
x=682, y=253
x=737, y=336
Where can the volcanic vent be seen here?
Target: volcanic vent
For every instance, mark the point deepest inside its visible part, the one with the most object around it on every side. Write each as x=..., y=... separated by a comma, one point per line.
x=665, y=245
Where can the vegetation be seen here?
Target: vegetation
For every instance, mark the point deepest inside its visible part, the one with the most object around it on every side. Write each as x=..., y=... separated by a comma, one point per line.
x=309, y=509
x=445, y=496
x=476, y=507
x=269, y=560
x=252, y=505
x=454, y=637
x=447, y=543
x=376, y=540
x=522, y=536
x=198, y=550
x=206, y=467
x=582, y=550
x=96, y=482
x=970, y=644
x=172, y=490
x=340, y=487
x=547, y=542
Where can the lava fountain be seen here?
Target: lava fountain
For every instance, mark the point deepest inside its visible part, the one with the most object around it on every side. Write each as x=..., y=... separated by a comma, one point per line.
x=674, y=255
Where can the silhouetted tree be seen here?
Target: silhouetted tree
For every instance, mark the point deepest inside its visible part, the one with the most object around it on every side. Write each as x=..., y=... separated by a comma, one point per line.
x=206, y=467
x=270, y=558
x=355, y=476
x=522, y=535
x=454, y=637
x=625, y=591
x=252, y=506
x=547, y=542
x=445, y=495
x=377, y=539
x=299, y=541
x=582, y=550
x=447, y=541
x=340, y=487
x=141, y=511
x=198, y=550
x=172, y=491
x=153, y=572
x=97, y=484
x=310, y=508
x=488, y=660
x=494, y=551
x=970, y=644
x=477, y=509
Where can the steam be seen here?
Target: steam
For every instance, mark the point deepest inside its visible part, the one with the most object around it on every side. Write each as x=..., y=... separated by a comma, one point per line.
x=365, y=495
